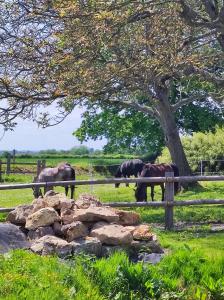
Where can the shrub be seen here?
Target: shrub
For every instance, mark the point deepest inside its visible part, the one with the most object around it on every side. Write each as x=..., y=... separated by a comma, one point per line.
x=207, y=146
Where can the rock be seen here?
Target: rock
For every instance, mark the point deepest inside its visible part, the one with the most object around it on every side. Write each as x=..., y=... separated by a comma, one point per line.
x=99, y=224
x=95, y=214
x=109, y=250
x=67, y=216
x=53, y=199
x=131, y=229
x=43, y=217
x=74, y=230
x=66, y=204
x=57, y=229
x=49, y=244
x=58, y=201
x=86, y=200
x=146, y=246
x=38, y=204
x=89, y=245
x=50, y=193
x=142, y=232
x=152, y=258
x=112, y=234
x=18, y=216
x=11, y=237
x=90, y=225
x=39, y=232
x=127, y=217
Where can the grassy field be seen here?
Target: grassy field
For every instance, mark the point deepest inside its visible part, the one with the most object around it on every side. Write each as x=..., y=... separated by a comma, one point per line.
x=193, y=268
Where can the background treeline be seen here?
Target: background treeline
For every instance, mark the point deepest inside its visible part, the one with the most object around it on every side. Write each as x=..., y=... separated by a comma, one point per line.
x=78, y=151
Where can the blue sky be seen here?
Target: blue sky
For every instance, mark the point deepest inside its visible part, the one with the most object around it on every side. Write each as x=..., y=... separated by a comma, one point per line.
x=27, y=135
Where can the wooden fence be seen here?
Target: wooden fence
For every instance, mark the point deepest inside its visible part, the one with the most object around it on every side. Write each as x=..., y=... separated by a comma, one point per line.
x=168, y=202
x=9, y=164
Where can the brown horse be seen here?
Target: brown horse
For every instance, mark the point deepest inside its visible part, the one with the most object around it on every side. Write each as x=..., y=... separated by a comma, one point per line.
x=154, y=170
x=63, y=172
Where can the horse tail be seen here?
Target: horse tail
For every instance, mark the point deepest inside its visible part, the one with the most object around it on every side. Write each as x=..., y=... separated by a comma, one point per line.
x=176, y=174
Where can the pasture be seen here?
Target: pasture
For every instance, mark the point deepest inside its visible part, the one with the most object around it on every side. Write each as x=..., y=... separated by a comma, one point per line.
x=194, y=244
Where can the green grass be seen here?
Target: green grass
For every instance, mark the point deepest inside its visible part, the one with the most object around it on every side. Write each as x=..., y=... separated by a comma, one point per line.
x=194, y=268
x=186, y=274
x=108, y=193
x=76, y=161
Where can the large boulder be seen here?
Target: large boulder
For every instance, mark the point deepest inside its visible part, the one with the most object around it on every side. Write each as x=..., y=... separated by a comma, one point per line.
x=93, y=213
x=49, y=244
x=19, y=214
x=74, y=230
x=89, y=245
x=111, y=234
x=43, y=217
x=11, y=237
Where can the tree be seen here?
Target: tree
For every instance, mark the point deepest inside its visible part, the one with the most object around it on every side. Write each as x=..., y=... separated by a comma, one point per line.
x=125, y=53
x=124, y=132
x=117, y=52
x=80, y=150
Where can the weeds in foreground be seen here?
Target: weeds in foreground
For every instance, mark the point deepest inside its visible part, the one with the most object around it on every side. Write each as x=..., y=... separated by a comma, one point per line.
x=183, y=275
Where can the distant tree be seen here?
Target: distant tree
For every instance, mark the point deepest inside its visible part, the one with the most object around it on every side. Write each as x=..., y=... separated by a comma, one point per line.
x=6, y=154
x=80, y=150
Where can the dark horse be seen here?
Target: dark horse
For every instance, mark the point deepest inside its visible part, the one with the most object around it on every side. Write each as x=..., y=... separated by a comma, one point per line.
x=155, y=170
x=129, y=168
x=63, y=172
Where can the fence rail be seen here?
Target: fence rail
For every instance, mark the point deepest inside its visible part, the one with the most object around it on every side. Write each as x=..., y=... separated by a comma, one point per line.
x=40, y=164
x=168, y=203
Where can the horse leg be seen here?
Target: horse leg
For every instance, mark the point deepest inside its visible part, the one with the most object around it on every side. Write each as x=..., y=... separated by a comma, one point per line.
x=152, y=192
x=163, y=190
x=66, y=190
x=72, y=191
x=127, y=184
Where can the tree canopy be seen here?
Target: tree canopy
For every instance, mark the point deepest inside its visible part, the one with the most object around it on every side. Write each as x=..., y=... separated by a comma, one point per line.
x=125, y=53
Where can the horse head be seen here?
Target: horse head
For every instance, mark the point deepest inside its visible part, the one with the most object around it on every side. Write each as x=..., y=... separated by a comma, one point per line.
x=118, y=174
x=141, y=192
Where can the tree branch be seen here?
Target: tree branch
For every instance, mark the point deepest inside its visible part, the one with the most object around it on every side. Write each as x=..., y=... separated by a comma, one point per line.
x=186, y=101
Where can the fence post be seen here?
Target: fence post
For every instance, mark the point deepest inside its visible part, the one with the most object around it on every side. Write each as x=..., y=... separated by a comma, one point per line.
x=0, y=170
x=169, y=197
x=38, y=167
x=8, y=164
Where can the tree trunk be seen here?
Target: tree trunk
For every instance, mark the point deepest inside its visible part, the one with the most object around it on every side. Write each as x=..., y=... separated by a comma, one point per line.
x=171, y=133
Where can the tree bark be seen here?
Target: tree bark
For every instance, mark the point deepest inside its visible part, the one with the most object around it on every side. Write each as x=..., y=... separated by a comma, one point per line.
x=171, y=133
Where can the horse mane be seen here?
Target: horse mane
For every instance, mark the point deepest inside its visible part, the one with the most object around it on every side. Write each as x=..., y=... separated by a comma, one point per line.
x=63, y=165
